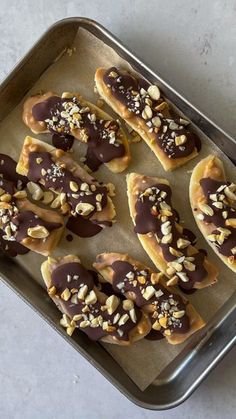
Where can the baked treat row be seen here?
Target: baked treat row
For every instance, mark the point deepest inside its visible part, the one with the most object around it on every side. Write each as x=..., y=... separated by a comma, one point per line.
x=70, y=116
x=135, y=100
x=141, y=301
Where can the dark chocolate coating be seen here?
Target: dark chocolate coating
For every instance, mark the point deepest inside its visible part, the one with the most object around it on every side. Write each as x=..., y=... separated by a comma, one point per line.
x=8, y=171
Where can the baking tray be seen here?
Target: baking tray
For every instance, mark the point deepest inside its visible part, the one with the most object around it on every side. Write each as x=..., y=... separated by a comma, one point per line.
x=187, y=371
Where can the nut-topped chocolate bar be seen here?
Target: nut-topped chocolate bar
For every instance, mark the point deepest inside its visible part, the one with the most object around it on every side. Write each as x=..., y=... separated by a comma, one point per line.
x=79, y=194
x=70, y=116
x=25, y=223
x=213, y=201
x=171, y=315
x=71, y=286
x=167, y=243
x=141, y=105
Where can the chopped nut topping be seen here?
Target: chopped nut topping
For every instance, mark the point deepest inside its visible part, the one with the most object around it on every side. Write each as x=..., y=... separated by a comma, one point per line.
x=231, y=222
x=147, y=112
x=149, y=292
x=73, y=186
x=154, y=92
x=20, y=194
x=112, y=303
x=66, y=294
x=123, y=319
x=163, y=322
x=82, y=292
x=38, y=232
x=6, y=197
x=206, y=209
x=84, y=208
x=52, y=291
x=172, y=281
x=183, y=276
x=91, y=298
x=175, y=252
x=183, y=243
x=179, y=314
x=166, y=228
x=180, y=140
x=84, y=323
x=128, y=305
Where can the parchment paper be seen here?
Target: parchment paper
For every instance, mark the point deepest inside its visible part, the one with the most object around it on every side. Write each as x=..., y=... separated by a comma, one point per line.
x=144, y=361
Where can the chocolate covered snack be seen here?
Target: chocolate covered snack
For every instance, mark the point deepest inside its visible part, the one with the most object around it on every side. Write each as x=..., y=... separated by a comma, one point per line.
x=166, y=242
x=8, y=172
x=27, y=224
x=141, y=106
x=213, y=201
x=78, y=193
x=171, y=315
x=71, y=286
x=69, y=116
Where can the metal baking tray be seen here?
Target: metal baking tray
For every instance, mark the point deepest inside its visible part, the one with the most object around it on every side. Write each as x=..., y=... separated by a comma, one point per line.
x=187, y=371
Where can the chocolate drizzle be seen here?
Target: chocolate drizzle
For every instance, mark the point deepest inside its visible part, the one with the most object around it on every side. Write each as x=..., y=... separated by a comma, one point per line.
x=220, y=196
x=94, y=318
x=28, y=219
x=170, y=132
x=156, y=215
x=63, y=142
x=8, y=172
x=83, y=227
x=63, y=116
x=11, y=248
x=127, y=278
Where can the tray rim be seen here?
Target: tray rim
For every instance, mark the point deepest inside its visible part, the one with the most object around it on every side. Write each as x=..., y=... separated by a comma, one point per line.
x=89, y=24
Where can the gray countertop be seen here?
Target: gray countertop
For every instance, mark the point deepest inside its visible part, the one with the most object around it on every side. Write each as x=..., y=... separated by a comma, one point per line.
x=193, y=45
